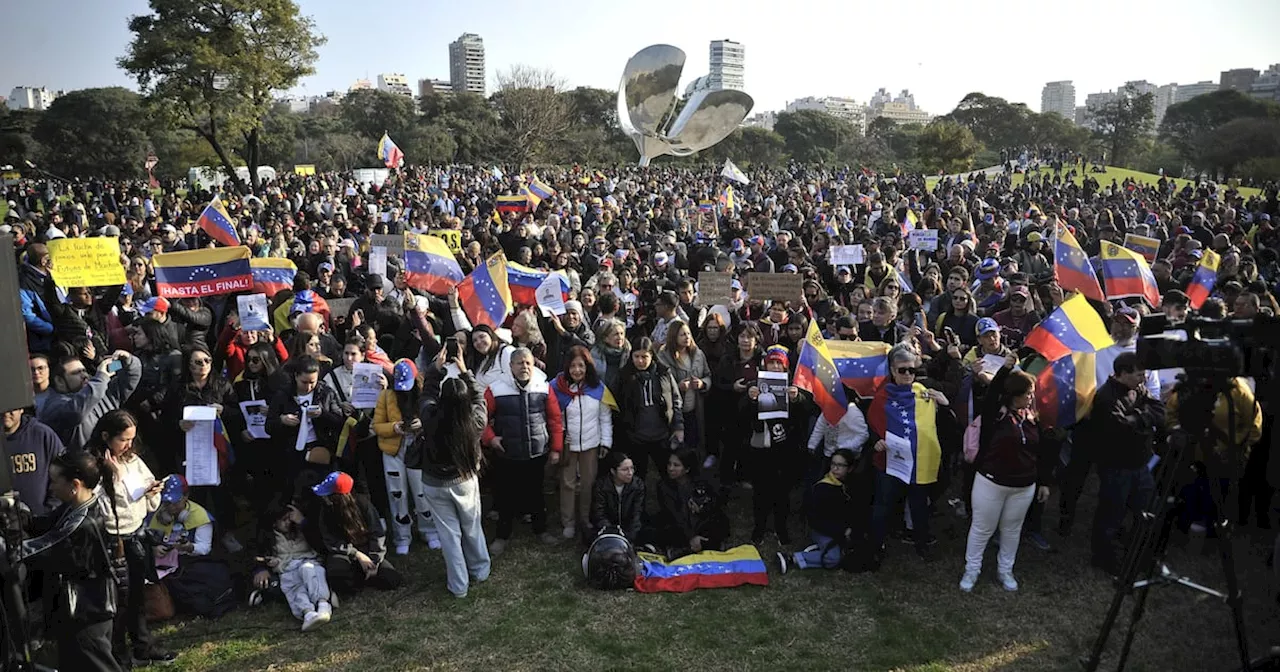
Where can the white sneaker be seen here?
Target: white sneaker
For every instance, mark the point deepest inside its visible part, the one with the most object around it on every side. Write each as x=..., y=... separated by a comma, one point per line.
x=569, y=532
x=968, y=581
x=324, y=609
x=1006, y=579
x=402, y=549
x=313, y=620
x=433, y=542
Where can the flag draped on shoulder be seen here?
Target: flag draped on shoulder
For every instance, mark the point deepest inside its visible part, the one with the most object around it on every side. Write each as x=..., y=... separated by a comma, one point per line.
x=389, y=152
x=484, y=295
x=429, y=265
x=1205, y=277
x=732, y=172
x=1125, y=273
x=1071, y=267
x=1074, y=327
x=215, y=222
x=816, y=372
x=907, y=419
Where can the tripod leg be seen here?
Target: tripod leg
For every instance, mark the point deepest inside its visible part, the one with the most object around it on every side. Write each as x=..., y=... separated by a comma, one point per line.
x=1235, y=599
x=1154, y=563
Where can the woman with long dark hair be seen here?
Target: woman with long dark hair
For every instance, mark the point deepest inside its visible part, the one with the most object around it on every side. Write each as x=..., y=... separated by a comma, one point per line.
x=691, y=516
x=648, y=407
x=255, y=459
x=396, y=422
x=350, y=536
x=453, y=416
x=693, y=376
x=488, y=356
x=132, y=492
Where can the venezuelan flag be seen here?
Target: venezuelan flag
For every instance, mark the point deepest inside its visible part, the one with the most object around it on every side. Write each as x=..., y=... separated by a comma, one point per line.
x=429, y=265
x=540, y=190
x=909, y=222
x=524, y=282
x=308, y=301
x=507, y=204
x=1205, y=277
x=484, y=295
x=726, y=198
x=709, y=569
x=1064, y=388
x=347, y=438
x=1125, y=273
x=389, y=152
x=907, y=415
x=1074, y=327
x=1149, y=248
x=272, y=274
x=217, y=223
x=707, y=205
x=564, y=396
x=862, y=365
x=817, y=373
x=197, y=273
x=222, y=444
x=1071, y=267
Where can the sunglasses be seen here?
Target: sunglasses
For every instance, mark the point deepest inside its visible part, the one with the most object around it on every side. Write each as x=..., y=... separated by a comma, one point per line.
x=254, y=360
x=201, y=361
x=843, y=465
x=904, y=370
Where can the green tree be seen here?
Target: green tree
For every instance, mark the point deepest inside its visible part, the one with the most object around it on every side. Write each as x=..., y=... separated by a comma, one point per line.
x=1051, y=128
x=1123, y=123
x=17, y=141
x=881, y=127
x=994, y=121
x=212, y=66
x=100, y=132
x=430, y=143
x=533, y=113
x=370, y=113
x=811, y=136
x=473, y=124
x=759, y=146
x=1238, y=141
x=1186, y=125
x=865, y=152
x=946, y=146
x=278, y=146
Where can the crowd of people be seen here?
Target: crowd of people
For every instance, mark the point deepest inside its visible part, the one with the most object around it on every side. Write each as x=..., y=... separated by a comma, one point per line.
x=640, y=407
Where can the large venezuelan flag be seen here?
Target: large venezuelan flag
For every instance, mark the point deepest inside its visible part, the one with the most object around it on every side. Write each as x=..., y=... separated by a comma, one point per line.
x=196, y=273
x=218, y=224
x=907, y=416
x=737, y=566
x=1064, y=388
x=1071, y=267
x=862, y=365
x=272, y=274
x=484, y=295
x=524, y=283
x=508, y=204
x=817, y=373
x=1127, y=274
x=1074, y=327
x=429, y=265
x=1205, y=277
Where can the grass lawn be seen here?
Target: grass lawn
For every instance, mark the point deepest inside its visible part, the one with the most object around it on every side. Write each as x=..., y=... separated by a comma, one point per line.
x=1120, y=175
x=535, y=613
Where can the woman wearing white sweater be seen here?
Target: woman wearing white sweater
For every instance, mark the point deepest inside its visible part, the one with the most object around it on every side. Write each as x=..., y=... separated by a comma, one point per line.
x=850, y=433
x=588, y=422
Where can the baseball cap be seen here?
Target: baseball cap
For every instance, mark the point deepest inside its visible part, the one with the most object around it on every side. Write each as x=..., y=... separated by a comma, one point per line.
x=660, y=259
x=987, y=325
x=737, y=245
x=735, y=284
x=1034, y=237
x=336, y=483
x=174, y=489
x=405, y=372
x=1020, y=290
x=1128, y=314
x=326, y=266
x=790, y=268
x=988, y=269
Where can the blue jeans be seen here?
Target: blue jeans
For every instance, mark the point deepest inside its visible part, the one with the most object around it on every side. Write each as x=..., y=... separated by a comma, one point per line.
x=888, y=494
x=1119, y=492
x=827, y=555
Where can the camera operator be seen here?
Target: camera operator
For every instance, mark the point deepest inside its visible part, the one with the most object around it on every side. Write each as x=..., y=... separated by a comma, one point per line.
x=1128, y=416
x=72, y=550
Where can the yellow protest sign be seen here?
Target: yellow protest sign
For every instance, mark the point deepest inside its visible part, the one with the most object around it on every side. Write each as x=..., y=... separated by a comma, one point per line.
x=451, y=238
x=304, y=169
x=86, y=262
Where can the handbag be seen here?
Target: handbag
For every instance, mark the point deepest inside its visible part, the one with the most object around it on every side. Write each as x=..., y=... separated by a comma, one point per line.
x=157, y=604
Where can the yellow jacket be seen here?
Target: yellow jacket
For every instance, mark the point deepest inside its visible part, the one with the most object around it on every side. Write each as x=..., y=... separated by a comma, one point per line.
x=385, y=416
x=1247, y=416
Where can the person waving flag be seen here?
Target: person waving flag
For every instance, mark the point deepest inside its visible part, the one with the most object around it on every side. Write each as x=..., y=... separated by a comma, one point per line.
x=1071, y=267
x=218, y=224
x=389, y=152
x=1205, y=277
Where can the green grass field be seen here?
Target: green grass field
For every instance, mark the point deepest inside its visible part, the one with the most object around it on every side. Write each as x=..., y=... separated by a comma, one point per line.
x=535, y=614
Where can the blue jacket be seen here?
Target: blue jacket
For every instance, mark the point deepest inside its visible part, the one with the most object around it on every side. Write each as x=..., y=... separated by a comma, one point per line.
x=35, y=314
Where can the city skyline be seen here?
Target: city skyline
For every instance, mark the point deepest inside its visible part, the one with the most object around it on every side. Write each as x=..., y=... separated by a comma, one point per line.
x=80, y=49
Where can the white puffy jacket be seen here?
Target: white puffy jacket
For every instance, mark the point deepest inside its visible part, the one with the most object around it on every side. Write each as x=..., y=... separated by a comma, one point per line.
x=588, y=424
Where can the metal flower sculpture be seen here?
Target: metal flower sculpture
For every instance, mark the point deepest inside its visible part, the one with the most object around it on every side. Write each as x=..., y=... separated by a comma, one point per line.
x=647, y=104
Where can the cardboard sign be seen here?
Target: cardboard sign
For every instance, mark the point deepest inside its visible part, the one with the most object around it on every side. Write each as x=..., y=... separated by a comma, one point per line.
x=714, y=288
x=775, y=286
x=923, y=239
x=86, y=262
x=450, y=237
x=393, y=242
x=846, y=255
x=340, y=307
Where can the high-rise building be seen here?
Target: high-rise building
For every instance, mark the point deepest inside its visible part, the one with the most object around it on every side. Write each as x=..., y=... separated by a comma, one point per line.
x=1082, y=115
x=727, y=65
x=1059, y=97
x=1188, y=91
x=900, y=109
x=360, y=84
x=1092, y=103
x=1164, y=97
x=1267, y=86
x=466, y=64
x=396, y=83
x=31, y=98
x=1239, y=79
x=439, y=87
x=847, y=109
x=765, y=120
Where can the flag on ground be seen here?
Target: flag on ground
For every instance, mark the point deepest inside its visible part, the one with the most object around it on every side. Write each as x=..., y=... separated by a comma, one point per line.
x=1125, y=273
x=484, y=295
x=1074, y=327
x=732, y=172
x=709, y=569
x=272, y=274
x=389, y=152
x=215, y=221
x=817, y=373
x=209, y=272
x=862, y=365
x=1071, y=267
x=1205, y=277
x=429, y=265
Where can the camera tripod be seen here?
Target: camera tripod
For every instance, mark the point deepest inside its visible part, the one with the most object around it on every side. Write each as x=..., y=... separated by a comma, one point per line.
x=1144, y=565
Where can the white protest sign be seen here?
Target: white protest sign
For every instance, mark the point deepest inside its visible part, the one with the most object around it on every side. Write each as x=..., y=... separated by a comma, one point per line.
x=548, y=295
x=253, y=312
x=846, y=255
x=923, y=239
x=378, y=260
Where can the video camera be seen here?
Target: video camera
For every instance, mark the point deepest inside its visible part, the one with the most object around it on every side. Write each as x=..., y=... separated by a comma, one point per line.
x=1208, y=348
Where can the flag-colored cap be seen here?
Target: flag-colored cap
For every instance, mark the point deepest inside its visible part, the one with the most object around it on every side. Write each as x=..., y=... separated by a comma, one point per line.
x=336, y=483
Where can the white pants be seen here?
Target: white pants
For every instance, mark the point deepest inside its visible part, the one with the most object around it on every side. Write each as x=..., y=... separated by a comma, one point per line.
x=996, y=506
x=304, y=586
x=402, y=484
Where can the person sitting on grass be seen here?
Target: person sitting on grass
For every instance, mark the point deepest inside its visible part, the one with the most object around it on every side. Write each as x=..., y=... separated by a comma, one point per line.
x=830, y=513
x=183, y=532
x=287, y=559
x=617, y=499
x=690, y=517
x=351, y=536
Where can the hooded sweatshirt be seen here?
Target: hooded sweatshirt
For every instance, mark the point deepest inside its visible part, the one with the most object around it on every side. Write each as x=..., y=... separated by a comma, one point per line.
x=30, y=450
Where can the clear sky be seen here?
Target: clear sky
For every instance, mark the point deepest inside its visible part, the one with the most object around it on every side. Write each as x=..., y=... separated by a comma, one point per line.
x=939, y=50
